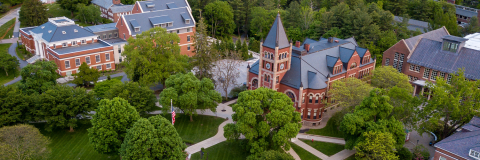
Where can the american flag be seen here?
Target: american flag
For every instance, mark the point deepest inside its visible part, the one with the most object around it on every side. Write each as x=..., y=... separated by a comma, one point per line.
x=173, y=112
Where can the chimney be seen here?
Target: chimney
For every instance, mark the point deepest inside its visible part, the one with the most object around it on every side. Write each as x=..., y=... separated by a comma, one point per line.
x=116, y=1
x=307, y=47
x=297, y=44
x=330, y=39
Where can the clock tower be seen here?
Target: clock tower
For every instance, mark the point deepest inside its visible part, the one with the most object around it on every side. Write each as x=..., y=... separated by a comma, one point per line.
x=275, y=56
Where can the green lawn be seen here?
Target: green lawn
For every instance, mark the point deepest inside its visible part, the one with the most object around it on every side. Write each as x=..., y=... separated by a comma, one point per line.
x=302, y=153
x=11, y=73
x=331, y=129
x=72, y=145
x=224, y=151
x=6, y=30
x=202, y=127
x=328, y=149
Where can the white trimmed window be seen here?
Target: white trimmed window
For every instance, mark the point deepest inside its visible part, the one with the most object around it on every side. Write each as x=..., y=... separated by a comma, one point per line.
x=74, y=42
x=442, y=75
x=412, y=67
x=442, y=158
x=84, y=41
x=426, y=73
x=67, y=64
x=87, y=59
x=99, y=67
x=449, y=78
x=188, y=47
x=64, y=44
x=54, y=46
x=109, y=66
x=97, y=58
x=188, y=38
x=308, y=113
x=107, y=56
x=188, y=29
x=417, y=69
x=434, y=75
x=77, y=62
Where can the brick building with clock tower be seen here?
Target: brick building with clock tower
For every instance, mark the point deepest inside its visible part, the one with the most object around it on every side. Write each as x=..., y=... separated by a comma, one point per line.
x=304, y=71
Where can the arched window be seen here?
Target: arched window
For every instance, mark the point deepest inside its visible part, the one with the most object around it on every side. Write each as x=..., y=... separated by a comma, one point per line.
x=271, y=56
x=354, y=64
x=255, y=83
x=268, y=79
x=303, y=98
x=316, y=99
x=291, y=96
x=310, y=99
x=265, y=77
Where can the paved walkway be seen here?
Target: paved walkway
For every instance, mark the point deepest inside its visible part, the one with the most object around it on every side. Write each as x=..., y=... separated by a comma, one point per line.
x=309, y=149
x=340, y=155
x=294, y=154
x=209, y=142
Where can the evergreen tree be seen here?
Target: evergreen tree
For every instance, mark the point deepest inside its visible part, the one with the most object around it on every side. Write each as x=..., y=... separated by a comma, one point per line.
x=33, y=13
x=205, y=52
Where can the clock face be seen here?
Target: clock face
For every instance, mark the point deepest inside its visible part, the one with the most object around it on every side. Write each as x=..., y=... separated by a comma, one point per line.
x=282, y=66
x=267, y=65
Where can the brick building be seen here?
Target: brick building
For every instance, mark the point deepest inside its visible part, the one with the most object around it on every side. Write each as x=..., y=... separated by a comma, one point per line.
x=305, y=71
x=69, y=45
x=109, y=34
x=464, y=14
x=433, y=55
x=112, y=9
x=175, y=16
x=462, y=145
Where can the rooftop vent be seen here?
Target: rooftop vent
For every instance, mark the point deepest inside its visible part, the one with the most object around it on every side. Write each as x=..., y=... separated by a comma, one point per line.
x=75, y=30
x=171, y=5
x=150, y=5
x=42, y=27
x=63, y=32
x=49, y=31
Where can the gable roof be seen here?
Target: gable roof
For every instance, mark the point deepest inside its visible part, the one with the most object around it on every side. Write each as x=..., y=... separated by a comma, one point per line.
x=465, y=11
x=429, y=54
x=162, y=4
x=276, y=36
x=435, y=35
x=461, y=142
x=103, y=3
x=413, y=24
x=52, y=33
x=346, y=54
x=142, y=20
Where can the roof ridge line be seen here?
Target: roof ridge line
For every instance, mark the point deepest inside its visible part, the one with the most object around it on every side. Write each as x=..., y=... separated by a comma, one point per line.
x=461, y=138
x=312, y=67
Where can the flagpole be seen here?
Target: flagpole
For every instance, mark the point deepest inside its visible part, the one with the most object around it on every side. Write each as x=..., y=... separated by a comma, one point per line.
x=171, y=107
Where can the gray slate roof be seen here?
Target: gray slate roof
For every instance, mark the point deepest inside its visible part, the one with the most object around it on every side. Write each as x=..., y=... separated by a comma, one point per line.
x=115, y=41
x=454, y=38
x=142, y=19
x=162, y=4
x=435, y=35
x=276, y=36
x=312, y=68
x=461, y=142
x=102, y=27
x=121, y=8
x=465, y=11
x=56, y=32
x=103, y=3
x=81, y=47
x=413, y=24
x=429, y=53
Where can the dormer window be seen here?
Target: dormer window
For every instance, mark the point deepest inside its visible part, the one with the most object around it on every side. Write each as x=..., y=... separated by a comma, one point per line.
x=137, y=29
x=450, y=46
x=164, y=25
x=474, y=154
x=170, y=24
x=187, y=21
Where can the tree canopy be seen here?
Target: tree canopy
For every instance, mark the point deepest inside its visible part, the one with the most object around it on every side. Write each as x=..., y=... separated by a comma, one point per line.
x=38, y=77
x=23, y=141
x=373, y=114
x=71, y=5
x=140, y=97
x=155, y=138
x=153, y=56
x=62, y=105
x=349, y=92
x=33, y=13
x=110, y=124
x=8, y=62
x=188, y=93
x=14, y=106
x=90, y=14
x=101, y=88
x=386, y=77
x=271, y=155
x=205, y=54
x=452, y=104
x=86, y=75
x=376, y=145
x=266, y=118
x=220, y=18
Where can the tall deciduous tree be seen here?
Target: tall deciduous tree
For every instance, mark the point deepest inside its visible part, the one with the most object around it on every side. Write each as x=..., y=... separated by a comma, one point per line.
x=140, y=97
x=205, y=52
x=376, y=145
x=220, y=18
x=8, y=62
x=451, y=105
x=189, y=94
x=33, y=13
x=71, y=5
x=61, y=105
x=88, y=14
x=349, y=92
x=226, y=72
x=14, y=105
x=153, y=56
x=386, y=77
x=266, y=118
x=86, y=75
x=101, y=88
x=472, y=27
x=373, y=114
x=110, y=124
x=155, y=138
x=38, y=77
x=23, y=142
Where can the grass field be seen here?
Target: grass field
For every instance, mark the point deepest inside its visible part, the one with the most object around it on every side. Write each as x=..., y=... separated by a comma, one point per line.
x=224, y=151
x=72, y=145
x=202, y=127
x=328, y=149
x=302, y=153
x=6, y=30
x=11, y=73
x=331, y=129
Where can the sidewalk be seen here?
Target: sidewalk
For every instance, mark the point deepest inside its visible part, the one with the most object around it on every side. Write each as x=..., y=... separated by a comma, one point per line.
x=310, y=149
x=209, y=142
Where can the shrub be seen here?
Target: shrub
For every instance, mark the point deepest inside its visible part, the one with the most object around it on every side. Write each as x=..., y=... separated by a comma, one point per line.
x=404, y=153
x=237, y=90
